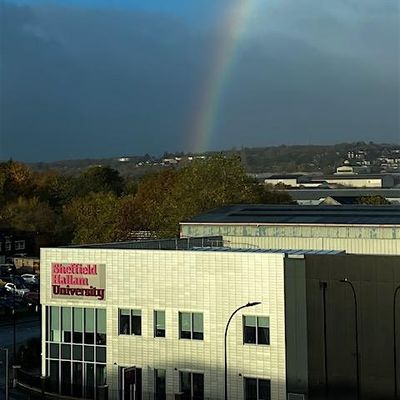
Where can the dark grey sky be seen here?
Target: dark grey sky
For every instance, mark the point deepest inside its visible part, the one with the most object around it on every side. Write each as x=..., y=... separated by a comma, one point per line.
x=83, y=78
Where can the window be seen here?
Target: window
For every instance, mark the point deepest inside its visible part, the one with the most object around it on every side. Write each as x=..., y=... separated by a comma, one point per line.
x=257, y=389
x=75, y=360
x=191, y=385
x=101, y=337
x=130, y=322
x=78, y=325
x=255, y=329
x=191, y=325
x=89, y=325
x=159, y=323
x=66, y=324
x=55, y=324
x=8, y=245
x=159, y=384
x=19, y=244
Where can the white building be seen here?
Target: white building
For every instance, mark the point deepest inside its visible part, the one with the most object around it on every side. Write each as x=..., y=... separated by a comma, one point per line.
x=120, y=311
x=164, y=312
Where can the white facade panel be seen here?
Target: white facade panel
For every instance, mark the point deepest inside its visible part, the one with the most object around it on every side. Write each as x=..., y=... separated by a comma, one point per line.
x=211, y=283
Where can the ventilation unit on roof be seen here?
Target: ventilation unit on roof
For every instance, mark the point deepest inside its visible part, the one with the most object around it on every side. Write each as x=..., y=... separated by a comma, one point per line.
x=296, y=396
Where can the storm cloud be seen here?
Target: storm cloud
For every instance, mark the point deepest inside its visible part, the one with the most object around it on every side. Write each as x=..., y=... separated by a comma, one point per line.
x=80, y=81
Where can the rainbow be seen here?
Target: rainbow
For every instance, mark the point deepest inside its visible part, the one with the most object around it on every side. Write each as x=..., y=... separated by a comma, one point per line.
x=233, y=29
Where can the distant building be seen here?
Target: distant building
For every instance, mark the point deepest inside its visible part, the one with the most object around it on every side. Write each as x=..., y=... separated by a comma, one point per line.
x=355, y=229
x=317, y=196
x=31, y=263
x=344, y=177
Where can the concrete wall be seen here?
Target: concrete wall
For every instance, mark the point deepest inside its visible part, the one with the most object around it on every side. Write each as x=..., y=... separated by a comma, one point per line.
x=214, y=283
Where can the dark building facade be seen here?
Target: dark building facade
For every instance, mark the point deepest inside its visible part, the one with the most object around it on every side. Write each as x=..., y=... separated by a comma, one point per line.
x=322, y=320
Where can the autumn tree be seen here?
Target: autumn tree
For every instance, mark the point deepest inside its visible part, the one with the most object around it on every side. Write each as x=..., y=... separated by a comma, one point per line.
x=30, y=215
x=15, y=180
x=165, y=199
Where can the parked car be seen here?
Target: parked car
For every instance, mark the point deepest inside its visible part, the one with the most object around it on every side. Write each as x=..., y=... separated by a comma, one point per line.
x=21, y=291
x=7, y=269
x=30, y=278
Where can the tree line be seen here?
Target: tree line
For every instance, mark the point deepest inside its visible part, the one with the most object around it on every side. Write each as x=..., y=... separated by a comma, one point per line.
x=100, y=206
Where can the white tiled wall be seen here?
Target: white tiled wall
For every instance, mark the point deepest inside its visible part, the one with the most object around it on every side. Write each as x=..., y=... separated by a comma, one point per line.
x=214, y=283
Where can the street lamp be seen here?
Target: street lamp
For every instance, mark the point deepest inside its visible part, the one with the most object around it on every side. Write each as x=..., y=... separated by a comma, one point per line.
x=6, y=370
x=255, y=303
x=345, y=280
x=394, y=343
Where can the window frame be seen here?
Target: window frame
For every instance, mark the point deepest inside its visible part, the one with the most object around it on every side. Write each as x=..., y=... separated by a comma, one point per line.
x=257, y=386
x=193, y=333
x=155, y=331
x=257, y=327
x=130, y=316
x=191, y=374
x=19, y=245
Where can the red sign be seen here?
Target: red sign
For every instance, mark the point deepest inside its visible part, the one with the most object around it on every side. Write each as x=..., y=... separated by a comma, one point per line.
x=78, y=280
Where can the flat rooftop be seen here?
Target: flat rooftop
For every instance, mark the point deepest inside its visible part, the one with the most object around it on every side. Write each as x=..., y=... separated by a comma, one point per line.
x=296, y=214
x=203, y=244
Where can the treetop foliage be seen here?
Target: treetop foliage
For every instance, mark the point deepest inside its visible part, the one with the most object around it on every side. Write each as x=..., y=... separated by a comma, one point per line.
x=100, y=206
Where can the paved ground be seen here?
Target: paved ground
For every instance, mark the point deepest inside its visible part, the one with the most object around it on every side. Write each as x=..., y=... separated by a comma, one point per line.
x=26, y=328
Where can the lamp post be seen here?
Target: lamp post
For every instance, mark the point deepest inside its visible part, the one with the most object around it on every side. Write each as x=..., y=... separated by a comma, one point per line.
x=345, y=280
x=6, y=371
x=394, y=343
x=255, y=303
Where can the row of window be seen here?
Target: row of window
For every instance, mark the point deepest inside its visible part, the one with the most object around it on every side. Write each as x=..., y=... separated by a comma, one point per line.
x=78, y=379
x=255, y=328
x=88, y=326
x=76, y=325
x=191, y=385
x=18, y=244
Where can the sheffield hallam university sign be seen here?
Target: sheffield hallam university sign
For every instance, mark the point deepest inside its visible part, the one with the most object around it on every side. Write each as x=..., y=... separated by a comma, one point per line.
x=72, y=281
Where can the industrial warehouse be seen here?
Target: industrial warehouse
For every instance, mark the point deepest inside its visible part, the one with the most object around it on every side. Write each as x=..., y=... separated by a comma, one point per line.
x=305, y=323
x=356, y=229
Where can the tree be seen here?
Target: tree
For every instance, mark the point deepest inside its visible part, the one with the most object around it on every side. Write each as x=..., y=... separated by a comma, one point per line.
x=93, y=218
x=53, y=188
x=98, y=179
x=30, y=215
x=15, y=180
x=165, y=199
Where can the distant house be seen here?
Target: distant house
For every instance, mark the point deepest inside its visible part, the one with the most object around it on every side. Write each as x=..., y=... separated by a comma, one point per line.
x=20, y=244
x=352, y=169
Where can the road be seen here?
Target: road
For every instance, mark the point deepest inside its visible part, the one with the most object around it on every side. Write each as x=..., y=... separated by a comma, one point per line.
x=26, y=328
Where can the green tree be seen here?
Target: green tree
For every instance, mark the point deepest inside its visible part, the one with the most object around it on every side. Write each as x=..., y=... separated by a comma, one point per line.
x=98, y=179
x=53, y=188
x=93, y=218
x=31, y=215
